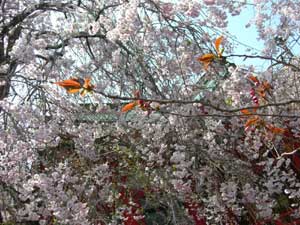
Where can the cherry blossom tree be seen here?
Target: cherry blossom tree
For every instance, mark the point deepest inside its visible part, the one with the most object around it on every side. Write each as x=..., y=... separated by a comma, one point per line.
x=134, y=112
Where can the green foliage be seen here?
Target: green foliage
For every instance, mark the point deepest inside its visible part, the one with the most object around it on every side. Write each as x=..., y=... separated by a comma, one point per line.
x=8, y=223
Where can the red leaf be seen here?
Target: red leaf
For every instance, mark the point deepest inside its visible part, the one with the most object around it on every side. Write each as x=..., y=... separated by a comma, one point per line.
x=201, y=221
x=278, y=222
x=296, y=161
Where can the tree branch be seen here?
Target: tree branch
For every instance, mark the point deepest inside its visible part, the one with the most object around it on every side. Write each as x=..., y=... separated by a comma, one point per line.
x=176, y=101
x=266, y=58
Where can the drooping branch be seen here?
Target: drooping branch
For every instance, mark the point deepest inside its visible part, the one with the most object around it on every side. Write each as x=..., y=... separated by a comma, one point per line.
x=177, y=101
x=12, y=31
x=19, y=18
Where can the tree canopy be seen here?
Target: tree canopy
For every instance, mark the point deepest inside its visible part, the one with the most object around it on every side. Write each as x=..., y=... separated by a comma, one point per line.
x=135, y=112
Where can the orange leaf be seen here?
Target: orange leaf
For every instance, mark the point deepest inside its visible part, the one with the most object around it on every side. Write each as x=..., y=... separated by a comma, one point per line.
x=87, y=84
x=128, y=106
x=71, y=83
x=261, y=92
x=218, y=42
x=252, y=121
x=266, y=85
x=254, y=79
x=73, y=90
x=206, y=58
x=264, y=88
x=74, y=85
x=88, y=87
x=275, y=130
x=245, y=112
x=206, y=64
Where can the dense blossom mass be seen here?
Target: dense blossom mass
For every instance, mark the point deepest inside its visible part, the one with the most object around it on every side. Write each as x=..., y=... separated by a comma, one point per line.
x=136, y=112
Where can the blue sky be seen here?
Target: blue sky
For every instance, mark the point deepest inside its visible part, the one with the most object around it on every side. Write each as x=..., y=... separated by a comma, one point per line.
x=247, y=36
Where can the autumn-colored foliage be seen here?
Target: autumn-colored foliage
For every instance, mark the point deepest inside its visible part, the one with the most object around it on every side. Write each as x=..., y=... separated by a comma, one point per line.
x=144, y=105
x=129, y=106
x=208, y=58
x=74, y=85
